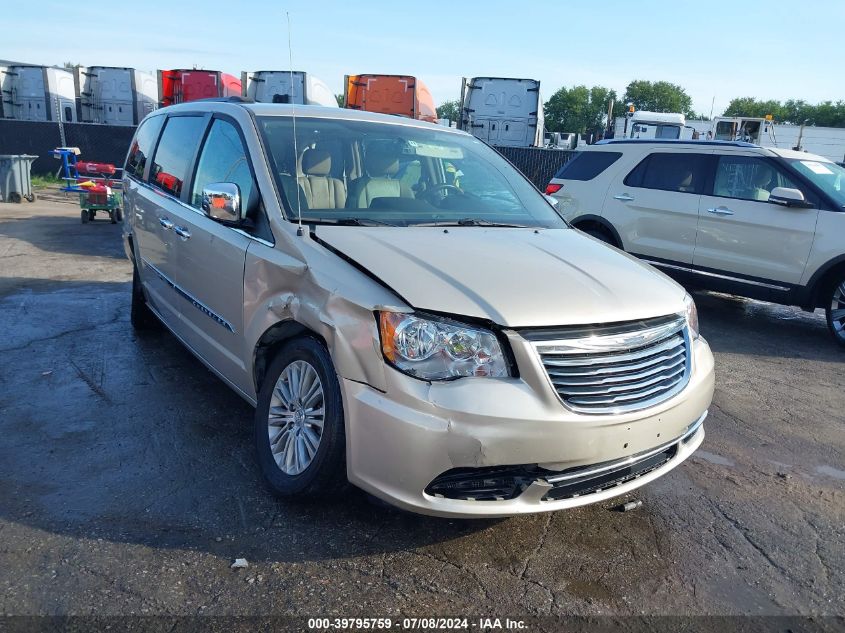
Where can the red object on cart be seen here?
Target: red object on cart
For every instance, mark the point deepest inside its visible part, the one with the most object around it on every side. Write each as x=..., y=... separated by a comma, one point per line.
x=98, y=194
x=89, y=168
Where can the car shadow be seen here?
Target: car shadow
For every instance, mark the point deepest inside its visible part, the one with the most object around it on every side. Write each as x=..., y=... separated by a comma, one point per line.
x=737, y=325
x=67, y=234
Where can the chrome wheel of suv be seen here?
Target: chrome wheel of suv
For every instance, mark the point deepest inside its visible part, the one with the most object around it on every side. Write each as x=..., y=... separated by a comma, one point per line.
x=836, y=312
x=299, y=428
x=295, y=420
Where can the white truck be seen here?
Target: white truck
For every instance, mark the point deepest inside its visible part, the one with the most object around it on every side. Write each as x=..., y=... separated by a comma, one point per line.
x=824, y=141
x=562, y=140
x=653, y=125
x=502, y=111
x=114, y=95
x=37, y=93
x=274, y=86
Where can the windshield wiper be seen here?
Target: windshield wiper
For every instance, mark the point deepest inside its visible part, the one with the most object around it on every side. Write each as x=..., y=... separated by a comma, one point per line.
x=474, y=222
x=348, y=221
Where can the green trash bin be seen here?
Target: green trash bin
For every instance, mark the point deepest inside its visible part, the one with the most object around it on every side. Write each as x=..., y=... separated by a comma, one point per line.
x=16, y=177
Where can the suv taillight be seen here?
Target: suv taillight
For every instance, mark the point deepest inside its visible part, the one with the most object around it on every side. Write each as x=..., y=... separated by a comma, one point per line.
x=553, y=188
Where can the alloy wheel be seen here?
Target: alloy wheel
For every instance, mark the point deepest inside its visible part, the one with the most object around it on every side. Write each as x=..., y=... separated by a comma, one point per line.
x=837, y=311
x=295, y=420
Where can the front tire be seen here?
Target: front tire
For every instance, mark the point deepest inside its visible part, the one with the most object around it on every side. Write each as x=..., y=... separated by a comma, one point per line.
x=299, y=433
x=835, y=309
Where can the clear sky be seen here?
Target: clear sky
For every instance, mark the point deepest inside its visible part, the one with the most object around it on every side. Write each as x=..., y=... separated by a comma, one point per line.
x=722, y=49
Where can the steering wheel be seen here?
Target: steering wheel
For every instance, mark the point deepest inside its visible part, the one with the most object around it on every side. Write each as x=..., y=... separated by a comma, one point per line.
x=444, y=187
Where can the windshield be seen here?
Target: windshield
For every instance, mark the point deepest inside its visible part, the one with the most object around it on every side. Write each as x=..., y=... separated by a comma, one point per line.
x=362, y=173
x=827, y=176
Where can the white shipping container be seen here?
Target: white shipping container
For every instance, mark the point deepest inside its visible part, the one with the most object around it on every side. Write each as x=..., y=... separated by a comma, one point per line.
x=114, y=96
x=274, y=86
x=38, y=93
x=502, y=111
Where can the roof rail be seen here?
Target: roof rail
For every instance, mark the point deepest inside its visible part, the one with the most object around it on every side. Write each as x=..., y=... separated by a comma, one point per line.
x=617, y=141
x=232, y=99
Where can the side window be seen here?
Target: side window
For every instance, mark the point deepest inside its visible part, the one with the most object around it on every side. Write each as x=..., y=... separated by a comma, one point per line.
x=142, y=145
x=748, y=178
x=224, y=159
x=587, y=165
x=670, y=171
x=173, y=156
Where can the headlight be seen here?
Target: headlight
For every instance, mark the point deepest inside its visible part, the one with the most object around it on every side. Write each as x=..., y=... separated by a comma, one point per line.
x=691, y=314
x=435, y=349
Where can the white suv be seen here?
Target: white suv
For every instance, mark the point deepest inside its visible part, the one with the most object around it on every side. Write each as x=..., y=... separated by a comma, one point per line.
x=760, y=222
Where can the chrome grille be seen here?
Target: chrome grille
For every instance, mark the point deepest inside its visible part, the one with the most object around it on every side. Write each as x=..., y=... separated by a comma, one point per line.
x=616, y=368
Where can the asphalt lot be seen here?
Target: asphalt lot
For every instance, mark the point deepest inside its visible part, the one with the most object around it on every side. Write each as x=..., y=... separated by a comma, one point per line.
x=128, y=485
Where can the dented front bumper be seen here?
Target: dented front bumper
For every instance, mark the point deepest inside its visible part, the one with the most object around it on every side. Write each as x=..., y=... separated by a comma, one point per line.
x=401, y=440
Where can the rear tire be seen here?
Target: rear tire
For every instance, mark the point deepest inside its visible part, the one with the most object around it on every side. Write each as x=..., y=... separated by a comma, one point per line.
x=84, y=216
x=835, y=308
x=15, y=197
x=140, y=315
x=287, y=393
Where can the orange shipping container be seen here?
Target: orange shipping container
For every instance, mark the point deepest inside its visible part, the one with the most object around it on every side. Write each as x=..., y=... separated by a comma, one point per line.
x=390, y=94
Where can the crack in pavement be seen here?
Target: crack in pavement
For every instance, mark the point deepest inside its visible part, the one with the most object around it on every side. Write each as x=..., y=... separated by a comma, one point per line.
x=540, y=542
x=97, y=389
x=54, y=337
x=737, y=526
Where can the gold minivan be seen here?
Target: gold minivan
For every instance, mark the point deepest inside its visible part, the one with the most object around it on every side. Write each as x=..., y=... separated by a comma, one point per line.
x=406, y=312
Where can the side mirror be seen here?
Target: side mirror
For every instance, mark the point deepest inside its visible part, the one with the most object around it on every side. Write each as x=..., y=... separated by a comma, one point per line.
x=221, y=201
x=788, y=197
x=551, y=200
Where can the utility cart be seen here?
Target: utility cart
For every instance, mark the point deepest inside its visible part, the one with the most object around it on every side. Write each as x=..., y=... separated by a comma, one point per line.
x=100, y=198
x=97, y=184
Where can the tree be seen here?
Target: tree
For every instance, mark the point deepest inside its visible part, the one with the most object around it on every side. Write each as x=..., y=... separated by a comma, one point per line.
x=340, y=100
x=659, y=96
x=794, y=111
x=579, y=109
x=449, y=110
x=751, y=107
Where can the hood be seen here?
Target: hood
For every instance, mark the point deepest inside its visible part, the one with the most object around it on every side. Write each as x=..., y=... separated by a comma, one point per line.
x=513, y=277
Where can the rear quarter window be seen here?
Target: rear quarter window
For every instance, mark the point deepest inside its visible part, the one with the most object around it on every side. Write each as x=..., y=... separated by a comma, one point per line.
x=587, y=165
x=142, y=146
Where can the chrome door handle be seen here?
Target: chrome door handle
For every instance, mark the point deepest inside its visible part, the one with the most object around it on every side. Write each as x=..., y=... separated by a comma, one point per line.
x=624, y=197
x=720, y=211
x=181, y=232
x=167, y=224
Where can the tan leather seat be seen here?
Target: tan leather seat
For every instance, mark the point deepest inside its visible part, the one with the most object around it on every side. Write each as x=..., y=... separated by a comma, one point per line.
x=380, y=167
x=321, y=190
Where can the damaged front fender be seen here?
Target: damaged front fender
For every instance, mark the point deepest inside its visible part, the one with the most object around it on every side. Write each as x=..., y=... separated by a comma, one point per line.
x=326, y=298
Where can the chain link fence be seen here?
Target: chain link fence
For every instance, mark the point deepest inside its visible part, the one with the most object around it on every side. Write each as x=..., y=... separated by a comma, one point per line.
x=538, y=165
x=96, y=142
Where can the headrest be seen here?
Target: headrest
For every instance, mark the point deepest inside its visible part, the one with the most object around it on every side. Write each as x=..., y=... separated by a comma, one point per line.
x=381, y=163
x=316, y=162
